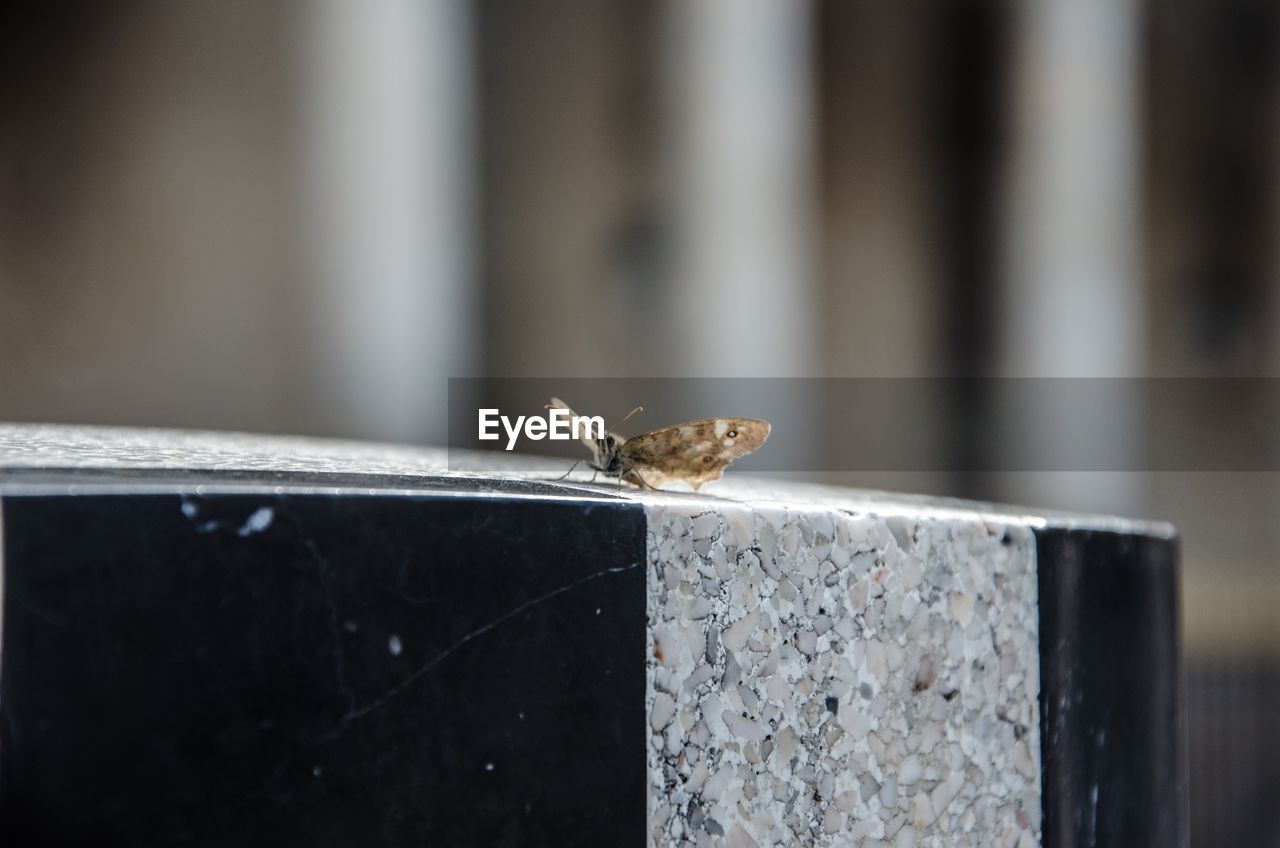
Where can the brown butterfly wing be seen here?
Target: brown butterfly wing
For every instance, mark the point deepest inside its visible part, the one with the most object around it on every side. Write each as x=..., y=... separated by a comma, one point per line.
x=583, y=432
x=696, y=452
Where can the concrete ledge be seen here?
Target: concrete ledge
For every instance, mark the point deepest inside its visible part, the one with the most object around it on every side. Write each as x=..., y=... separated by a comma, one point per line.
x=217, y=639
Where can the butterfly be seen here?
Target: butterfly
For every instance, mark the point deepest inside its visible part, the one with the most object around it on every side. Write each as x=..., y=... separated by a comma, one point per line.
x=695, y=452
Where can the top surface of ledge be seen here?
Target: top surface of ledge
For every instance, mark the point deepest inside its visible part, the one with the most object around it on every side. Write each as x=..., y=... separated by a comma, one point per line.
x=59, y=458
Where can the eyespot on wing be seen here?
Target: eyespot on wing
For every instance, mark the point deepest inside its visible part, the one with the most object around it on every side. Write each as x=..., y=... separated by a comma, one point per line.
x=697, y=450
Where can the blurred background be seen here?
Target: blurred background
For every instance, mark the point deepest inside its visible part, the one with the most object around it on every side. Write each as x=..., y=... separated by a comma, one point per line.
x=304, y=217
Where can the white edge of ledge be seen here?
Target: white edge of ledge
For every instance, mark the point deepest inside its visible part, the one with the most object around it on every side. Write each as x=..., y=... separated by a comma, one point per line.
x=108, y=448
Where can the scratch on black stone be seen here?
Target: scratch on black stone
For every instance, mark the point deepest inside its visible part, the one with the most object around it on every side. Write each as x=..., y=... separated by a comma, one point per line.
x=335, y=627
x=417, y=600
x=42, y=613
x=381, y=701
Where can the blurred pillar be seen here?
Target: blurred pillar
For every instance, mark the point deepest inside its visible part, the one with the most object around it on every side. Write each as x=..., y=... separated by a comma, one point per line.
x=739, y=99
x=879, y=262
x=571, y=244
x=886, y=274
x=741, y=294
x=1071, y=299
x=388, y=215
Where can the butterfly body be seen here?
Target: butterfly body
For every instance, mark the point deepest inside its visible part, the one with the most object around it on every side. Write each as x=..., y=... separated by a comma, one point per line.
x=695, y=452
x=608, y=457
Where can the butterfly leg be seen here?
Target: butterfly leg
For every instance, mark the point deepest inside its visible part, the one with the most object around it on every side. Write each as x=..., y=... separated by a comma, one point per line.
x=643, y=482
x=570, y=471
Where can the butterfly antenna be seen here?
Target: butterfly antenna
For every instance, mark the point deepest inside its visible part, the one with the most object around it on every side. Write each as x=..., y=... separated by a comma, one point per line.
x=628, y=415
